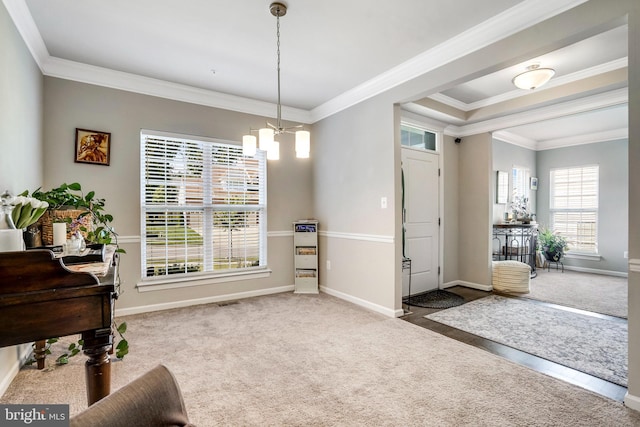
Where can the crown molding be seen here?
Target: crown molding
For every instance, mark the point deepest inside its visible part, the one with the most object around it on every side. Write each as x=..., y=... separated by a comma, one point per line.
x=451, y=102
x=496, y=125
x=512, y=138
x=594, y=102
x=440, y=116
x=609, y=135
x=525, y=14
x=517, y=93
x=22, y=19
x=422, y=122
x=532, y=144
x=76, y=71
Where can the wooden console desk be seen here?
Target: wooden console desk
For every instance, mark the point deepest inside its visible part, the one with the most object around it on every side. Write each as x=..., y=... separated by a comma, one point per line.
x=40, y=298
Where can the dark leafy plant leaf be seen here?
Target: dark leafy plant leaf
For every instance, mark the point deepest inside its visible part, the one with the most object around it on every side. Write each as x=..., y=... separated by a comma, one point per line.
x=122, y=327
x=122, y=349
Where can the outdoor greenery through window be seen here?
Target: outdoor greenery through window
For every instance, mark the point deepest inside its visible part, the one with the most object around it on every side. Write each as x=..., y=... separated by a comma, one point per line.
x=203, y=206
x=574, y=206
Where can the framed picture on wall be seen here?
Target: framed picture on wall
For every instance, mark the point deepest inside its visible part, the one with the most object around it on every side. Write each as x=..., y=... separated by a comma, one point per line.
x=534, y=183
x=93, y=147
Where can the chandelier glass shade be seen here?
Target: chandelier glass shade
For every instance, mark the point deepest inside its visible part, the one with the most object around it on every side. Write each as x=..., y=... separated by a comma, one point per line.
x=534, y=77
x=266, y=135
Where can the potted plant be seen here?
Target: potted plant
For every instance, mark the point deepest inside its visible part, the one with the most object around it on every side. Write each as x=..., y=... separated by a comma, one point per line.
x=91, y=210
x=552, y=244
x=95, y=224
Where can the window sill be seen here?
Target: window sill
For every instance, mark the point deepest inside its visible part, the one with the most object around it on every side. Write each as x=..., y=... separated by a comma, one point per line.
x=583, y=256
x=183, y=281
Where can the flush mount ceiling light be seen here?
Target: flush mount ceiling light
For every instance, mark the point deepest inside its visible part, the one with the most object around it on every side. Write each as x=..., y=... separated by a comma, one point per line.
x=534, y=77
x=267, y=134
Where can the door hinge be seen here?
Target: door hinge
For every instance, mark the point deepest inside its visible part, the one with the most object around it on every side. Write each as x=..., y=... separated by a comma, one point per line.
x=438, y=270
x=438, y=171
x=438, y=222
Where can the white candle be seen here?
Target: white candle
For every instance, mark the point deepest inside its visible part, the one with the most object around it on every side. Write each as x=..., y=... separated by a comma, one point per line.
x=59, y=233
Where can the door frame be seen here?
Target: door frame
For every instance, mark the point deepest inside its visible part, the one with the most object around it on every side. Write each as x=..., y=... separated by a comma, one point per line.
x=410, y=119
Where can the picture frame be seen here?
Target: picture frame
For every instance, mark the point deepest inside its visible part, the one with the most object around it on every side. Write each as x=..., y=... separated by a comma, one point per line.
x=92, y=147
x=534, y=183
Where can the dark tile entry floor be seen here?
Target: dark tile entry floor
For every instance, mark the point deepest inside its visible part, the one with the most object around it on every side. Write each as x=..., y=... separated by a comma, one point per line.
x=597, y=385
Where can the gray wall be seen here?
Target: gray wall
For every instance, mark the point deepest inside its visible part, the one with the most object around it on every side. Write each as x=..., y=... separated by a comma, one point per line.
x=613, y=201
x=505, y=157
x=20, y=112
x=634, y=204
x=20, y=138
x=451, y=210
x=353, y=168
x=475, y=209
x=361, y=133
x=68, y=105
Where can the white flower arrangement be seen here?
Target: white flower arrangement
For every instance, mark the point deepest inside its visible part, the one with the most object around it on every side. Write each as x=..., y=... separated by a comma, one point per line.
x=520, y=206
x=27, y=210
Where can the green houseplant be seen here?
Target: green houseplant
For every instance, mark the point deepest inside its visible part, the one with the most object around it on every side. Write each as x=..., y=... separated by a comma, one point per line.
x=552, y=244
x=71, y=195
x=100, y=231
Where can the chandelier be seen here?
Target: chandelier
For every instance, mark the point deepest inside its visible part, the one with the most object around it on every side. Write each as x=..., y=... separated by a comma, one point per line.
x=534, y=77
x=267, y=135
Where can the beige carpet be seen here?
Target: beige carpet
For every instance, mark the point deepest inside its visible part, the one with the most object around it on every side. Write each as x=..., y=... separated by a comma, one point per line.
x=591, y=292
x=314, y=360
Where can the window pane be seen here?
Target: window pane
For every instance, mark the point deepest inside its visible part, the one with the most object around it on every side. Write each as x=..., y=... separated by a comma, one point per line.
x=417, y=138
x=574, y=206
x=204, y=207
x=173, y=245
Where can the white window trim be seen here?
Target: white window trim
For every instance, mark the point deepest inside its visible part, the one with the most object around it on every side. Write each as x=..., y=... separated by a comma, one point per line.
x=424, y=128
x=205, y=278
x=183, y=281
x=575, y=254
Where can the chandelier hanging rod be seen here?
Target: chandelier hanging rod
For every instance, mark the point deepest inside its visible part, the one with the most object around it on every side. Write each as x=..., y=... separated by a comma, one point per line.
x=266, y=135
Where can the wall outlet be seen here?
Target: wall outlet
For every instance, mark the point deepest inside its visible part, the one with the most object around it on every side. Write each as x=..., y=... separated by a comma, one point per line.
x=625, y=254
x=383, y=202
x=328, y=265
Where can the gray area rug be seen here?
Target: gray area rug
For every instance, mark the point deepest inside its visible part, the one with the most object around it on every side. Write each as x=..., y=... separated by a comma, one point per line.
x=589, y=344
x=315, y=360
x=591, y=292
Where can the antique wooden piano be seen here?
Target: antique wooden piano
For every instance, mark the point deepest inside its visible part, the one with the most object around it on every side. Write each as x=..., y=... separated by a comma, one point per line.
x=41, y=298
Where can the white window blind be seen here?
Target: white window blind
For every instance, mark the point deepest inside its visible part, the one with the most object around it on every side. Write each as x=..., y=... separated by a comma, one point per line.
x=203, y=206
x=574, y=206
x=520, y=178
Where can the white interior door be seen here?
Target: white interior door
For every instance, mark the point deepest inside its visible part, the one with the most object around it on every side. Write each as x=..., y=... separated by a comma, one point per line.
x=421, y=216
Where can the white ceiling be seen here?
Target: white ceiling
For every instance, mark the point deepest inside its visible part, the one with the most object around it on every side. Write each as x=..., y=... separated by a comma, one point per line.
x=333, y=53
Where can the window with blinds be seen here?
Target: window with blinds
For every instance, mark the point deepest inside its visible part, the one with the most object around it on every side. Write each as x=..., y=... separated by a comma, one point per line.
x=520, y=177
x=203, y=206
x=574, y=206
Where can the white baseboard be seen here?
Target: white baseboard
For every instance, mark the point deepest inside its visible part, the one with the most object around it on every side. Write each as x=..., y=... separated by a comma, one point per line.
x=199, y=301
x=592, y=271
x=363, y=303
x=23, y=352
x=487, y=288
x=9, y=376
x=632, y=402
